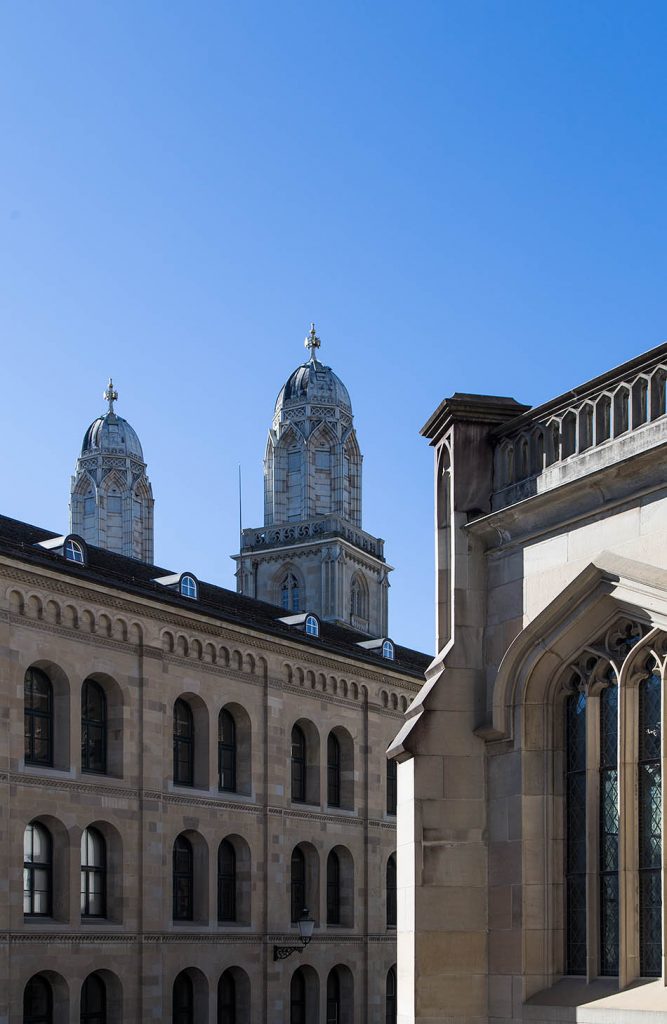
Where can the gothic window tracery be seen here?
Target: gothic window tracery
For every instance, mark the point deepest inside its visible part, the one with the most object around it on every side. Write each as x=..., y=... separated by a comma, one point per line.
x=594, y=733
x=290, y=593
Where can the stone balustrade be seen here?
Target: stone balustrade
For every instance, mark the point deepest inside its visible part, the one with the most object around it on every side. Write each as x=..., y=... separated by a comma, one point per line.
x=592, y=417
x=315, y=529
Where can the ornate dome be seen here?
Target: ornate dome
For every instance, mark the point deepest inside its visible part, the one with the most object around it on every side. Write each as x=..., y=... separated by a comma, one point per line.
x=111, y=433
x=313, y=382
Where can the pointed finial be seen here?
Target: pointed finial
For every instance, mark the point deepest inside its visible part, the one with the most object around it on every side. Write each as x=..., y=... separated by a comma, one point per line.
x=110, y=395
x=312, y=341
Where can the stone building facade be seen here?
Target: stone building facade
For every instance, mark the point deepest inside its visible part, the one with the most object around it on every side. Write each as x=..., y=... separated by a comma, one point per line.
x=163, y=850
x=530, y=842
x=312, y=552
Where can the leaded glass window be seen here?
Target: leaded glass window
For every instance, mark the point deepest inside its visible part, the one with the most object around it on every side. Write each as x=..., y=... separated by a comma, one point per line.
x=608, y=862
x=575, y=832
x=650, y=825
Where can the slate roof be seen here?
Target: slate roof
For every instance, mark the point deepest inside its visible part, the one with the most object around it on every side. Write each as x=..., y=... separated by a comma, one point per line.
x=132, y=577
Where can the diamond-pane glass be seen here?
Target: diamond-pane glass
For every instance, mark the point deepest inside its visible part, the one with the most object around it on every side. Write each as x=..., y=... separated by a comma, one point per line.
x=650, y=827
x=575, y=804
x=608, y=855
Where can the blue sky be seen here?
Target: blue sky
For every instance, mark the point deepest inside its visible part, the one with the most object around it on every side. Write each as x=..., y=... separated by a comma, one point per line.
x=463, y=196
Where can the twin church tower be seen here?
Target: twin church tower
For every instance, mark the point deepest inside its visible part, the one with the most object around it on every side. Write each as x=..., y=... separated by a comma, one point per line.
x=311, y=554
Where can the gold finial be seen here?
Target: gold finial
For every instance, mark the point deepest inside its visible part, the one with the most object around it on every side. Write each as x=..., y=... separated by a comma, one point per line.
x=110, y=395
x=312, y=341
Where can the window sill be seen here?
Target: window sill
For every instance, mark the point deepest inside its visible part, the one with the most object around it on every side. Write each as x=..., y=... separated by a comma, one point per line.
x=597, y=1002
x=47, y=771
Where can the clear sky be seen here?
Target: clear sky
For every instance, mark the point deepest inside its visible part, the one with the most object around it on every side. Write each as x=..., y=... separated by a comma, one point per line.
x=464, y=196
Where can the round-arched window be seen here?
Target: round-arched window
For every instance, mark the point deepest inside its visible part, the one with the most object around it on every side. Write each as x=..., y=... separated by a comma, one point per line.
x=74, y=551
x=189, y=587
x=312, y=626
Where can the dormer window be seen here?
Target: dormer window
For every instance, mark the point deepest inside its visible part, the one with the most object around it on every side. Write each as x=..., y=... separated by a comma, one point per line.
x=312, y=626
x=189, y=587
x=74, y=552
x=388, y=650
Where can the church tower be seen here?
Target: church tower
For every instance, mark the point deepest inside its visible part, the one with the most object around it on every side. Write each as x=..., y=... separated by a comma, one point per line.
x=312, y=554
x=111, y=500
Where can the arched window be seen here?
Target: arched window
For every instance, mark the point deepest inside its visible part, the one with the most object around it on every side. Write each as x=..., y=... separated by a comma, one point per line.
x=391, y=891
x=189, y=587
x=74, y=552
x=184, y=746
x=298, y=998
x=388, y=650
x=649, y=780
x=183, y=880
x=333, y=888
x=290, y=597
x=358, y=598
x=575, y=832
x=38, y=718
x=297, y=883
x=312, y=626
x=226, y=881
x=333, y=771
x=37, y=871
x=93, y=728
x=226, y=751
x=227, y=999
x=608, y=849
x=93, y=873
x=333, y=998
x=183, y=1000
x=392, y=785
x=298, y=764
x=93, y=1000
x=38, y=1001
x=391, y=1007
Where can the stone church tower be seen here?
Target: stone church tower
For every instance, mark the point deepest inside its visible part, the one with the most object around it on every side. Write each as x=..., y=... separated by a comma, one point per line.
x=311, y=554
x=111, y=502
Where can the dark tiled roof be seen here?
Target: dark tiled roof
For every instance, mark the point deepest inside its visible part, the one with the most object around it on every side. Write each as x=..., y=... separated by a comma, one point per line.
x=18, y=540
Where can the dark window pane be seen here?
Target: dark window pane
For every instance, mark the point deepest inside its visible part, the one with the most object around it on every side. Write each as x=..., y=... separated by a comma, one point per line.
x=391, y=892
x=609, y=829
x=226, y=882
x=38, y=1002
x=333, y=888
x=333, y=771
x=333, y=998
x=183, y=744
x=227, y=999
x=298, y=764
x=93, y=728
x=183, y=880
x=38, y=718
x=392, y=786
x=226, y=751
x=298, y=883
x=391, y=1007
x=298, y=998
x=93, y=1000
x=37, y=871
x=183, y=1002
x=650, y=827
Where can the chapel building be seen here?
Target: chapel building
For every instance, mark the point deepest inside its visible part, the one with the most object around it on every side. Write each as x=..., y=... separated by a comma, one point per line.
x=531, y=854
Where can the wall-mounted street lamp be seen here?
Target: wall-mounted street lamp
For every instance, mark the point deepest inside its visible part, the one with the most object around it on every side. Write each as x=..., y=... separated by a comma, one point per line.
x=306, y=925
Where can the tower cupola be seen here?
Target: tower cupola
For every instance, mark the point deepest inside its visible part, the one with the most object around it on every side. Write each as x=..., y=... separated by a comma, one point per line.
x=311, y=553
x=111, y=502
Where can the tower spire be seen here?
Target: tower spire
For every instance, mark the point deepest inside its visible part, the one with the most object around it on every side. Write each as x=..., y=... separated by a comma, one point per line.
x=110, y=395
x=312, y=342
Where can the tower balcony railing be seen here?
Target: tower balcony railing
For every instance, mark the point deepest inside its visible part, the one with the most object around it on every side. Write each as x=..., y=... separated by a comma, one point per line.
x=311, y=529
x=608, y=419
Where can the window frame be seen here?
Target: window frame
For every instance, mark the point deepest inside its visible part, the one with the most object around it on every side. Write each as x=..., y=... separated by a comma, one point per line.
x=93, y=875
x=185, y=1013
x=32, y=717
x=227, y=883
x=183, y=745
x=73, y=551
x=334, y=769
x=97, y=726
x=298, y=881
x=298, y=765
x=227, y=751
x=392, y=786
x=183, y=903
x=333, y=888
x=47, y=989
x=188, y=587
x=32, y=867
x=94, y=1016
x=390, y=892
